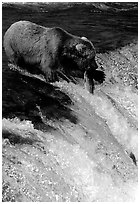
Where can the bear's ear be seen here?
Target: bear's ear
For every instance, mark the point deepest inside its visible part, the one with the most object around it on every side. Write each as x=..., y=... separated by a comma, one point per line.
x=80, y=47
x=84, y=38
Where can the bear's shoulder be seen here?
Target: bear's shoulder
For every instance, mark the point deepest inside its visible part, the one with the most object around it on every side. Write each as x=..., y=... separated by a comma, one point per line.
x=60, y=32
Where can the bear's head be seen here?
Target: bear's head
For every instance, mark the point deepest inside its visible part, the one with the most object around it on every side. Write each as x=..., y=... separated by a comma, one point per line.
x=88, y=53
x=79, y=54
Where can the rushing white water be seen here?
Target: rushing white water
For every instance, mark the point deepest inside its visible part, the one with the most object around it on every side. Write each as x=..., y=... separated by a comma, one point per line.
x=86, y=161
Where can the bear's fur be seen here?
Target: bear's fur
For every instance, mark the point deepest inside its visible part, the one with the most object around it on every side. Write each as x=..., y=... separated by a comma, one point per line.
x=48, y=50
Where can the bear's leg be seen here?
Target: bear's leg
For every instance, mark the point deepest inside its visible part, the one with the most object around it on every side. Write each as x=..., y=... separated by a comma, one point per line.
x=88, y=81
x=49, y=75
x=49, y=68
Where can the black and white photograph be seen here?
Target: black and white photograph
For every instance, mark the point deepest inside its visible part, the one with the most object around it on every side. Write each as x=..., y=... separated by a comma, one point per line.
x=69, y=101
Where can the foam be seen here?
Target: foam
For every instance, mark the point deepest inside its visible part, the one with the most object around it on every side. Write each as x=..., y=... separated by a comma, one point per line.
x=72, y=163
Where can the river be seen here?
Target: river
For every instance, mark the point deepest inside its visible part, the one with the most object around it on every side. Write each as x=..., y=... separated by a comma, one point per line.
x=61, y=143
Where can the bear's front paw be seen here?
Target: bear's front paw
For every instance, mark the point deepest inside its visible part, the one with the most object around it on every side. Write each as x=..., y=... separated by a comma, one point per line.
x=51, y=76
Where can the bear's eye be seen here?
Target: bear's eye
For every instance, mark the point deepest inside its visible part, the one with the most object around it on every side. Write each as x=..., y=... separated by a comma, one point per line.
x=80, y=47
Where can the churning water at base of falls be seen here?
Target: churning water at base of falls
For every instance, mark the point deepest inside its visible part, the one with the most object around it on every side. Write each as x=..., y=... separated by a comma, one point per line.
x=82, y=159
x=61, y=143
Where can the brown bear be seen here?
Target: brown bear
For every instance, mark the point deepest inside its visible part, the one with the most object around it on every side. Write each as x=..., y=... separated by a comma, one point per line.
x=49, y=50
